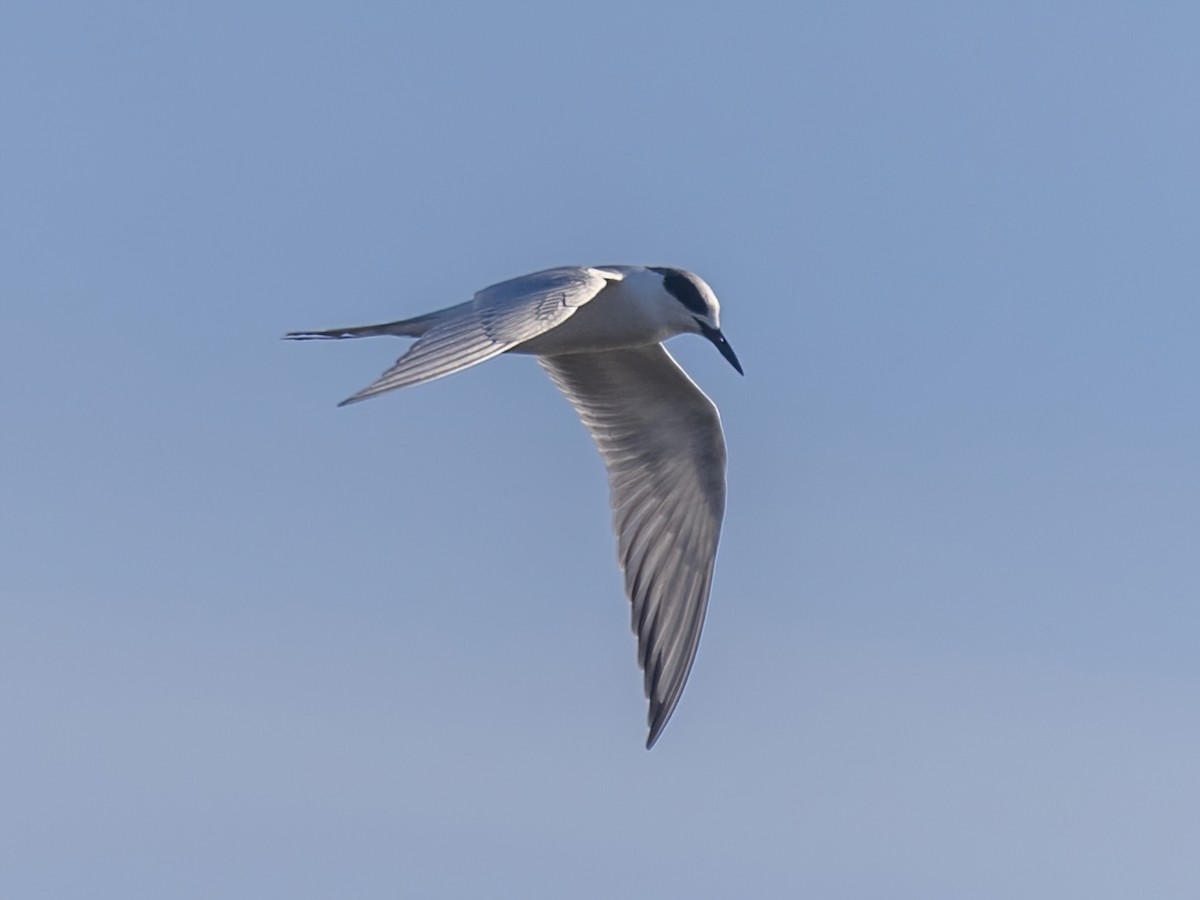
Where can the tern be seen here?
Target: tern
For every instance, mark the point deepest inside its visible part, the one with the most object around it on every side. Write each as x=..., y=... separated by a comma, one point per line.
x=598, y=332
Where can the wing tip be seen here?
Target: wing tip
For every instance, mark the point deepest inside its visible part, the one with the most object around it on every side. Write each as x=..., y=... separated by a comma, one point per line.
x=359, y=397
x=657, y=718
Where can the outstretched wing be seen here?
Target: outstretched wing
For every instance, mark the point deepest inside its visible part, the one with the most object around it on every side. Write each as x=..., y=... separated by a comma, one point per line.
x=661, y=440
x=498, y=319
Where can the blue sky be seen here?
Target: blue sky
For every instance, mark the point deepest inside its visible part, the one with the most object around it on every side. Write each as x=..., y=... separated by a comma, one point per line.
x=252, y=645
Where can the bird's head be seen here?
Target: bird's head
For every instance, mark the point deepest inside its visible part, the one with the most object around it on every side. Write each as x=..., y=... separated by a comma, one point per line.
x=701, y=308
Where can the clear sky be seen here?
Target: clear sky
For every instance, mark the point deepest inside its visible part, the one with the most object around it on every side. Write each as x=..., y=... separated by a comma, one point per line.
x=254, y=646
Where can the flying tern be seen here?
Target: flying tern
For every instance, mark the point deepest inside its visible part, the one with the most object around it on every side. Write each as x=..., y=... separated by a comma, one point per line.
x=598, y=332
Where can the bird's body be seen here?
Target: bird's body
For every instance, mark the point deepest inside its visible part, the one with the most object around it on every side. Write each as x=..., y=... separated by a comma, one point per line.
x=626, y=313
x=598, y=331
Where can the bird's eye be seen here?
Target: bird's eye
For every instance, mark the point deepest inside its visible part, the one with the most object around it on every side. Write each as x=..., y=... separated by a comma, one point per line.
x=684, y=290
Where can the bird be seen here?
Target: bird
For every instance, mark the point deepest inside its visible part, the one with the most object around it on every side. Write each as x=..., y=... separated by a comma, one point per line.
x=598, y=331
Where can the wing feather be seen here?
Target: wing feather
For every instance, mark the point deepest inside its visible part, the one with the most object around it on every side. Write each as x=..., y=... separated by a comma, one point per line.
x=662, y=443
x=499, y=318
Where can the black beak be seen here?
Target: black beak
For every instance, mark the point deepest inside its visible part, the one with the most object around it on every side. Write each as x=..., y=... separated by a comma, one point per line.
x=714, y=335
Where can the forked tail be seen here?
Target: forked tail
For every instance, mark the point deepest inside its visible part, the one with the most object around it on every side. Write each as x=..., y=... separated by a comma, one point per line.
x=404, y=328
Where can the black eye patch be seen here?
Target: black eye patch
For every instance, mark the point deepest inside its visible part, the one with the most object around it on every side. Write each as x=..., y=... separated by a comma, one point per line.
x=683, y=289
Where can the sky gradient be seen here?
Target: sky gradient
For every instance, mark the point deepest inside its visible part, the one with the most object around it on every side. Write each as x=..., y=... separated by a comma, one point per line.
x=252, y=645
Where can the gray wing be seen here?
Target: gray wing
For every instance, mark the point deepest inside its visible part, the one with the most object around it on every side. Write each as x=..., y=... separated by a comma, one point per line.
x=499, y=318
x=661, y=440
